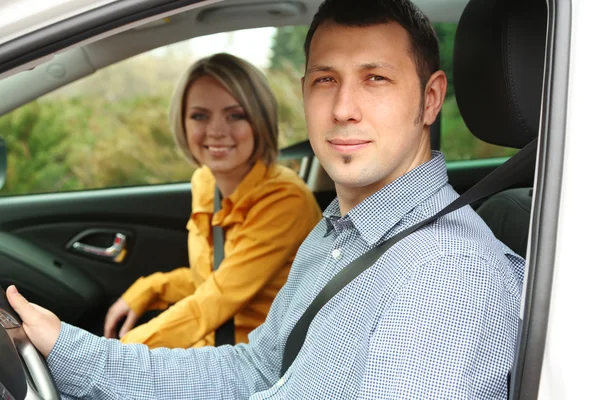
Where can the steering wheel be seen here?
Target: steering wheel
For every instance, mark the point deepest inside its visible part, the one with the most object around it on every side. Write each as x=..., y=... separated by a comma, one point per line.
x=24, y=374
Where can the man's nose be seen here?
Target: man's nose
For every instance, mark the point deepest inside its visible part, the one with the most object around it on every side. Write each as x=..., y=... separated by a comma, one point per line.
x=346, y=108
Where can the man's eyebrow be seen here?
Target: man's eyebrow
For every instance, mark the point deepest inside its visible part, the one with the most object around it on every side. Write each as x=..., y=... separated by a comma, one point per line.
x=364, y=66
x=377, y=64
x=318, y=68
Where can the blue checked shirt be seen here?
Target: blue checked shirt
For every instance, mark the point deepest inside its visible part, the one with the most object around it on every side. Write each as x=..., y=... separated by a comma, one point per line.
x=435, y=317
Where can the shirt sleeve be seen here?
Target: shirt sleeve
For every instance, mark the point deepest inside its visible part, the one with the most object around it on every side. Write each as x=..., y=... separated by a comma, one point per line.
x=91, y=367
x=269, y=237
x=446, y=341
x=87, y=366
x=159, y=290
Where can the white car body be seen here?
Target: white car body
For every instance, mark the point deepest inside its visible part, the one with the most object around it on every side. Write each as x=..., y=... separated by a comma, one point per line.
x=572, y=345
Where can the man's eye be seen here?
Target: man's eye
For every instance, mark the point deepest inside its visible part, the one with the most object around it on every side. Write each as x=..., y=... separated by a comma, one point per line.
x=325, y=79
x=377, y=78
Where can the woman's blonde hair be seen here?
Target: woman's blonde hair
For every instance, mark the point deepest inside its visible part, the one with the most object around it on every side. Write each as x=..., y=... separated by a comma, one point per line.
x=248, y=85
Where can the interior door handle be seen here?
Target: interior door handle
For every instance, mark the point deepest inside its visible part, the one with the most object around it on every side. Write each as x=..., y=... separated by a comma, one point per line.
x=115, y=252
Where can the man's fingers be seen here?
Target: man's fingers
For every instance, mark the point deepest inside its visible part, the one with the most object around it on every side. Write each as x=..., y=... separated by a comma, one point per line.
x=128, y=324
x=20, y=304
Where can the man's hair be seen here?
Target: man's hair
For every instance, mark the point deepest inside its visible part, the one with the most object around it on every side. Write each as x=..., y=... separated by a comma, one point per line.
x=424, y=46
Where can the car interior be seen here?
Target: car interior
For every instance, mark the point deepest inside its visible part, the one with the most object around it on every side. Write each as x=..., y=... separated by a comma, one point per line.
x=54, y=229
x=75, y=252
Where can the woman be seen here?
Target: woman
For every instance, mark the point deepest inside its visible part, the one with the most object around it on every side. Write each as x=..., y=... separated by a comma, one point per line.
x=224, y=118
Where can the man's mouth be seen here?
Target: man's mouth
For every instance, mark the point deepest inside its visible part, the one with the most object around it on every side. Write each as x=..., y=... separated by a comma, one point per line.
x=348, y=145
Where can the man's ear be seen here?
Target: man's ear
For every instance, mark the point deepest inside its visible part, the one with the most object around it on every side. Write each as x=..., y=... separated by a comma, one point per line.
x=302, y=84
x=435, y=93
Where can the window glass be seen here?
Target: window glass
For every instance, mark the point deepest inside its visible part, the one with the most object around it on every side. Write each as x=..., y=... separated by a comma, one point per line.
x=111, y=129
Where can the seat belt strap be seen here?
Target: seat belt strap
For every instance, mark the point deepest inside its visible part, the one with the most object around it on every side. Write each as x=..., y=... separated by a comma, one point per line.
x=507, y=174
x=225, y=334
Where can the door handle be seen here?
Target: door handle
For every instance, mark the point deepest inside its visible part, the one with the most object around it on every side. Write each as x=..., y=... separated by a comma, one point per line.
x=115, y=252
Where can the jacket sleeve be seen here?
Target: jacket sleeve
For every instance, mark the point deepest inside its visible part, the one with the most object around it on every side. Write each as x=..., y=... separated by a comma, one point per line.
x=159, y=290
x=270, y=235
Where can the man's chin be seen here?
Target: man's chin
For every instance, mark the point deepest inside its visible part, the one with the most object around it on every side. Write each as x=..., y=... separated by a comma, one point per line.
x=351, y=181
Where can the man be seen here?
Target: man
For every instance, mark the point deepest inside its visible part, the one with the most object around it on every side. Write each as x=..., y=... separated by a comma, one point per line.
x=435, y=317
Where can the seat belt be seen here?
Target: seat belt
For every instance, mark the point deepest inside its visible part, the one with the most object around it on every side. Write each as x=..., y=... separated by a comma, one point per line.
x=507, y=174
x=225, y=334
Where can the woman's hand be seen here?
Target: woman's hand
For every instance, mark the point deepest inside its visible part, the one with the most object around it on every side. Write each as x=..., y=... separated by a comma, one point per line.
x=41, y=326
x=115, y=314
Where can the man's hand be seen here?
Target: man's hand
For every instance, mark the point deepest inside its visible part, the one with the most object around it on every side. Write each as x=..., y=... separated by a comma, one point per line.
x=116, y=313
x=41, y=326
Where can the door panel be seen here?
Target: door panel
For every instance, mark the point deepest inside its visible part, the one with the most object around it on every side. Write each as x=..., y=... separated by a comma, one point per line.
x=46, y=278
x=35, y=232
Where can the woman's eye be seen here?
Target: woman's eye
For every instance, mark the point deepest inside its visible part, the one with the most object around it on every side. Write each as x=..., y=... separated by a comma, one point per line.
x=198, y=117
x=237, y=116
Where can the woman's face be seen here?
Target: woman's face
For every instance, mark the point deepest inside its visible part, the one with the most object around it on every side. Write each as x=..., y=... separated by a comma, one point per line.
x=218, y=132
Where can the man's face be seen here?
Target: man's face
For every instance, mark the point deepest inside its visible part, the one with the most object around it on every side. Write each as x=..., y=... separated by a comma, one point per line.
x=362, y=101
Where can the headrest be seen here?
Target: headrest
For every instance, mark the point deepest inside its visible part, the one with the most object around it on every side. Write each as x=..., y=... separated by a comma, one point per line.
x=499, y=59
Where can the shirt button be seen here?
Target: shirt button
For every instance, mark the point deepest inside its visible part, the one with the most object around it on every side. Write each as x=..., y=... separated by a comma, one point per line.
x=280, y=383
x=337, y=254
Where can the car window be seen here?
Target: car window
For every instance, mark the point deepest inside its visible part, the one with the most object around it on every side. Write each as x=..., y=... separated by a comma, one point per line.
x=456, y=141
x=111, y=129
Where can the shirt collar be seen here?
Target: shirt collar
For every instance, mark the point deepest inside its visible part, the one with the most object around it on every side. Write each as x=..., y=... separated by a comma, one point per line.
x=381, y=211
x=207, y=193
x=257, y=173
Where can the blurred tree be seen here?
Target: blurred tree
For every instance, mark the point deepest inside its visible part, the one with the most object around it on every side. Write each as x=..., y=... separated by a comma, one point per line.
x=110, y=129
x=288, y=48
x=446, y=33
x=285, y=83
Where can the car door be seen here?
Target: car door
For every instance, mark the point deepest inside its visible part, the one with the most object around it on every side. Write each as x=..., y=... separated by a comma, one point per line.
x=57, y=247
x=97, y=194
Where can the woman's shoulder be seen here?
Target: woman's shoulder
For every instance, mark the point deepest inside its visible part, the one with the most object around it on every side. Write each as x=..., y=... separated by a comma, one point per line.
x=281, y=177
x=280, y=190
x=278, y=183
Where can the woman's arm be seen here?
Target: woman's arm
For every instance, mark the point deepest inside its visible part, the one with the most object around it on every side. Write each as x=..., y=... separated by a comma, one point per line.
x=269, y=237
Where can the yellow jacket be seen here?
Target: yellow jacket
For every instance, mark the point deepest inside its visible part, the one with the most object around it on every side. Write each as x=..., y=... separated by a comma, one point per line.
x=265, y=220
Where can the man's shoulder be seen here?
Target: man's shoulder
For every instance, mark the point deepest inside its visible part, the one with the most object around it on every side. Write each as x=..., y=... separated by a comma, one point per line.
x=460, y=241
x=464, y=233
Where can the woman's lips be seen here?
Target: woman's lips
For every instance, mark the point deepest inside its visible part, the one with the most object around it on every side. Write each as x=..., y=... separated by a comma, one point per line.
x=218, y=151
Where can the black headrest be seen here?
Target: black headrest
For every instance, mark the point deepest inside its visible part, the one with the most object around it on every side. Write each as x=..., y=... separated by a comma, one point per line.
x=499, y=56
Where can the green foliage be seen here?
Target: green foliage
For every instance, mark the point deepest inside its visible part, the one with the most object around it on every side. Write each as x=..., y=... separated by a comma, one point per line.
x=86, y=143
x=458, y=143
x=286, y=86
x=446, y=33
x=288, y=48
